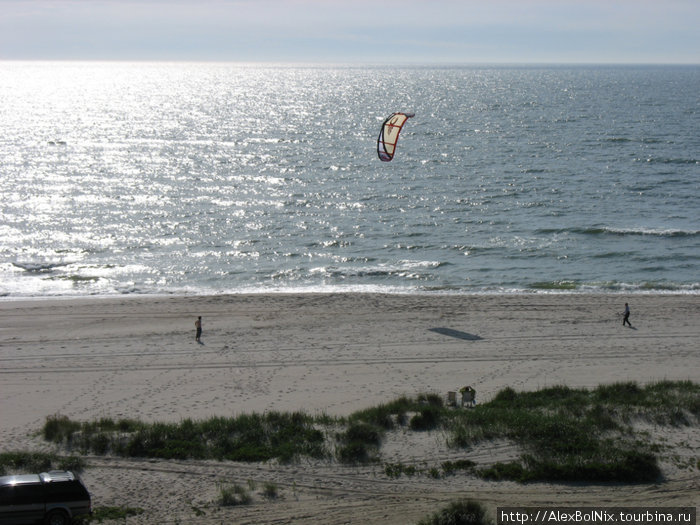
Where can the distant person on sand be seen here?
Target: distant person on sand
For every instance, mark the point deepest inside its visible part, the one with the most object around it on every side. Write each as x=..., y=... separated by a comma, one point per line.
x=626, y=319
x=198, y=326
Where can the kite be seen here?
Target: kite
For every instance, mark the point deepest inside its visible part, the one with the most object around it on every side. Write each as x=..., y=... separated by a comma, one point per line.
x=389, y=135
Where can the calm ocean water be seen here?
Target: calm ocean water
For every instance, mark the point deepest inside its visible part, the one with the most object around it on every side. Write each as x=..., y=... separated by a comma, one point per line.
x=213, y=178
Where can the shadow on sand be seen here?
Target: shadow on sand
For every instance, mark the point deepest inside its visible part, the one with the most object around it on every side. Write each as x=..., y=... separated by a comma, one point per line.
x=458, y=334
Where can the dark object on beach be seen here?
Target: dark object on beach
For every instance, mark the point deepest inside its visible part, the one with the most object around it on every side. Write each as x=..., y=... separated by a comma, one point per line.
x=626, y=319
x=54, y=497
x=468, y=396
x=198, y=326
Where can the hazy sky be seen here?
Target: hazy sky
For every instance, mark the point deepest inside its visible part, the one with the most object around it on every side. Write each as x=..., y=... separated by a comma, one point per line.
x=384, y=31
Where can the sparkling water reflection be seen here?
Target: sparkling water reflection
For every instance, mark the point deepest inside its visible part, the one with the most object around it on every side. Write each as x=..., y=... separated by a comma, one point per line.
x=208, y=178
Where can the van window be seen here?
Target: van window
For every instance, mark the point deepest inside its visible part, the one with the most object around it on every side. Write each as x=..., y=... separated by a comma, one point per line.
x=26, y=494
x=65, y=491
x=6, y=495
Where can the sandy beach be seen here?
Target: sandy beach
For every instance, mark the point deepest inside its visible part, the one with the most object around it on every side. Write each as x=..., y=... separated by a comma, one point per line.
x=137, y=357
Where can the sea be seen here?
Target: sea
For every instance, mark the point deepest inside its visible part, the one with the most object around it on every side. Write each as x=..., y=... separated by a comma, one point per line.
x=217, y=178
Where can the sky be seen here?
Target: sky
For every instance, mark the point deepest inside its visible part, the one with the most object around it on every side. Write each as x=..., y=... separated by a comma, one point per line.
x=354, y=31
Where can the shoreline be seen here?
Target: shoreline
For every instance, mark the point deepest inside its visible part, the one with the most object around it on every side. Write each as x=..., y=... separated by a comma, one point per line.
x=387, y=292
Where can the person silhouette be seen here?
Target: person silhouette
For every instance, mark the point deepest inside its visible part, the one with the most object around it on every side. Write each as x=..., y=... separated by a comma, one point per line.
x=626, y=318
x=198, y=327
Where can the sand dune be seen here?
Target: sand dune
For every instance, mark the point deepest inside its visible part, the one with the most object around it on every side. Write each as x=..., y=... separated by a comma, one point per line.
x=337, y=353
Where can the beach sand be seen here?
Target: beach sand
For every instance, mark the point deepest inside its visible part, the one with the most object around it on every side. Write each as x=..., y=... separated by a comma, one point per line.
x=136, y=357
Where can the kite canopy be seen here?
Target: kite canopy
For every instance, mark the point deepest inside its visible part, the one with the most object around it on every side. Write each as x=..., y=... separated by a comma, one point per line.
x=389, y=135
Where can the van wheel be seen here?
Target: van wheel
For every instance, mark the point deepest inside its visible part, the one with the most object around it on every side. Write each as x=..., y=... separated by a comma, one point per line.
x=57, y=517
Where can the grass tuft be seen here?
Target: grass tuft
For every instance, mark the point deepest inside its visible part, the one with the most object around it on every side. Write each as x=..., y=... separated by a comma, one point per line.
x=100, y=514
x=427, y=418
x=234, y=495
x=462, y=512
x=270, y=490
x=359, y=443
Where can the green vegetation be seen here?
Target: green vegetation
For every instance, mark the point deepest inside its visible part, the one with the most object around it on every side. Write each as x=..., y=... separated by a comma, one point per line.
x=233, y=495
x=396, y=470
x=100, y=514
x=565, y=434
x=270, y=490
x=578, y=435
x=459, y=513
x=359, y=443
x=387, y=415
x=396, y=413
x=18, y=462
x=448, y=468
x=245, y=438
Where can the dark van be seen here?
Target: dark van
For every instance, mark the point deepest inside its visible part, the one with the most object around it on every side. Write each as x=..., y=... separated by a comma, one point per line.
x=51, y=498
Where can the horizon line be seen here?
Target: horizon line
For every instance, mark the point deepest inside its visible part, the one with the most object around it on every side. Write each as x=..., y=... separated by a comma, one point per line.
x=359, y=63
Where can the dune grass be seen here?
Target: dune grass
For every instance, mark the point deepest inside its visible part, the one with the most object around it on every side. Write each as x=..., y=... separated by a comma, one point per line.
x=103, y=513
x=233, y=495
x=22, y=462
x=576, y=434
x=248, y=437
x=565, y=434
x=462, y=512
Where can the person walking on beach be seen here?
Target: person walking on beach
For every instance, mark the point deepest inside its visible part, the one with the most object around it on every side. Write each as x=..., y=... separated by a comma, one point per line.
x=198, y=326
x=626, y=319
